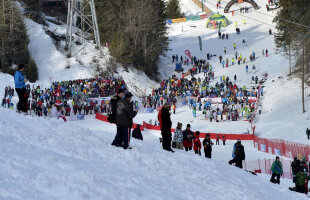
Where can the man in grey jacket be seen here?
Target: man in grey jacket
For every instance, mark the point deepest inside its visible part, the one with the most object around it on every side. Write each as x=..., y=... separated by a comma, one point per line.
x=124, y=115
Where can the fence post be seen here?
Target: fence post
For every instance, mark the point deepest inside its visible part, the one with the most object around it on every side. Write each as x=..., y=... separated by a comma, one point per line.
x=265, y=166
x=291, y=170
x=258, y=165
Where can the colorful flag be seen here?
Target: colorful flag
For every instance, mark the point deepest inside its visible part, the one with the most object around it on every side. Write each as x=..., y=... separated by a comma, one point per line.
x=213, y=24
x=188, y=53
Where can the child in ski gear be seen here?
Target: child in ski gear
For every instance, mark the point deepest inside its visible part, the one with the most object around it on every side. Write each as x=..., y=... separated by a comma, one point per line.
x=178, y=136
x=276, y=170
x=217, y=140
x=197, y=143
x=188, y=137
x=207, y=146
x=224, y=140
x=301, y=182
x=136, y=133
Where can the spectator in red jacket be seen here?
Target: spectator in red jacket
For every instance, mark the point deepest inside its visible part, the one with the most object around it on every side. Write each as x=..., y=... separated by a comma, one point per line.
x=197, y=143
x=188, y=137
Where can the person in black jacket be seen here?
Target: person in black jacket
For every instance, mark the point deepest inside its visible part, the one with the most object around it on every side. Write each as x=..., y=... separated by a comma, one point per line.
x=295, y=168
x=207, y=145
x=112, y=117
x=124, y=115
x=136, y=133
x=166, y=127
x=238, y=154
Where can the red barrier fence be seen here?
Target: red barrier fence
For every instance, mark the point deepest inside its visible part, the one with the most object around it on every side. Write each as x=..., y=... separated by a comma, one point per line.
x=105, y=119
x=281, y=147
x=202, y=135
x=264, y=167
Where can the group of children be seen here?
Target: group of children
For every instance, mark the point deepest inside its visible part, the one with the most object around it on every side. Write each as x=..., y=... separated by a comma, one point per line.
x=189, y=140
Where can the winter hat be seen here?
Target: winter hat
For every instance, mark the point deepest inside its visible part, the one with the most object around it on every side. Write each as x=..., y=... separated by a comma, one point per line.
x=120, y=91
x=188, y=126
x=207, y=135
x=166, y=104
x=21, y=66
x=197, y=133
x=58, y=103
x=179, y=126
x=128, y=95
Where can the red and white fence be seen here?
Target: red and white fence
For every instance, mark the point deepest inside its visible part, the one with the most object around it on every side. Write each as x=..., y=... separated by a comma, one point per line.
x=281, y=147
x=263, y=166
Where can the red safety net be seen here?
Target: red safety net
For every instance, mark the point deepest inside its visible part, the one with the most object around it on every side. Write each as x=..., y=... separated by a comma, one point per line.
x=281, y=147
x=263, y=166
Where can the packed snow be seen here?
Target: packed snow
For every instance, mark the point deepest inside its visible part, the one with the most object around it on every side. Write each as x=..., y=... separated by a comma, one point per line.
x=43, y=158
x=49, y=159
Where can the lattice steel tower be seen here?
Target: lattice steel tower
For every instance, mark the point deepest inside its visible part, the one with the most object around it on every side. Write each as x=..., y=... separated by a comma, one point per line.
x=82, y=21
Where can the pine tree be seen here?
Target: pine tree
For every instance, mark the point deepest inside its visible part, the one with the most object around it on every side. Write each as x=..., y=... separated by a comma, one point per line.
x=135, y=30
x=14, y=40
x=173, y=9
x=31, y=71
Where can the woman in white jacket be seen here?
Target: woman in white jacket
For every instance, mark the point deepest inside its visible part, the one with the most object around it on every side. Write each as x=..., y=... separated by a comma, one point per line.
x=178, y=136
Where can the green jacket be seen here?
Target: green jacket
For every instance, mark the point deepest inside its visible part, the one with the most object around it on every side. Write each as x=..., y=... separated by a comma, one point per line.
x=277, y=168
x=301, y=179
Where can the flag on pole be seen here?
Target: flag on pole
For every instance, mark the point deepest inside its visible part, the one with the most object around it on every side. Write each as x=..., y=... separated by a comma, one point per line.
x=188, y=53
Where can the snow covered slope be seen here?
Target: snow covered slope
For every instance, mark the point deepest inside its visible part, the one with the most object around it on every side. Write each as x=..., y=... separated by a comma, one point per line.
x=282, y=116
x=50, y=159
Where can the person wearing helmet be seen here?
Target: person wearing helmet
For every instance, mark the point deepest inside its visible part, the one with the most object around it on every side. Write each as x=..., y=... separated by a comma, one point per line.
x=56, y=111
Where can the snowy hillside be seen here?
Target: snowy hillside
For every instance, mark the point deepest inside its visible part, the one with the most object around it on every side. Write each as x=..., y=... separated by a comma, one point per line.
x=49, y=159
x=281, y=116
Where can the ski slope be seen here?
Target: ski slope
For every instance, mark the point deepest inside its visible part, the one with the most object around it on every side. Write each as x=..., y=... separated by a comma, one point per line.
x=282, y=115
x=50, y=159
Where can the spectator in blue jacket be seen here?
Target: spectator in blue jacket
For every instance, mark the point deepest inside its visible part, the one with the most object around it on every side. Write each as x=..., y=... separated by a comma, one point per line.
x=20, y=88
